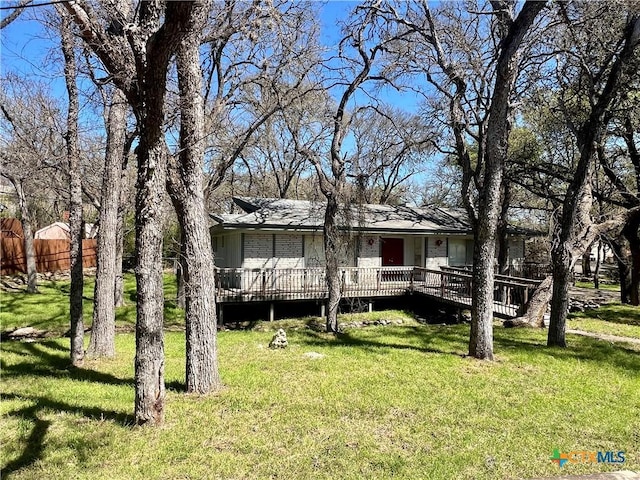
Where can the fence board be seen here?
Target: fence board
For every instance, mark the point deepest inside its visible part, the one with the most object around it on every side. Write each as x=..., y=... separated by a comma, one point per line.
x=51, y=255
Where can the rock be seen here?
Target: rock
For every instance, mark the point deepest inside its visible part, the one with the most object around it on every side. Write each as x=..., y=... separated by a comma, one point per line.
x=279, y=340
x=313, y=355
x=24, y=333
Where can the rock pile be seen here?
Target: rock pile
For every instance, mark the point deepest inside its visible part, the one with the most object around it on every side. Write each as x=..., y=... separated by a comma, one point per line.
x=279, y=340
x=580, y=305
x=367, y=323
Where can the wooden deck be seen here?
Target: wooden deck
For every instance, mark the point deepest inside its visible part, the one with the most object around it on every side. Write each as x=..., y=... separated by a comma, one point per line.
x=450, y=286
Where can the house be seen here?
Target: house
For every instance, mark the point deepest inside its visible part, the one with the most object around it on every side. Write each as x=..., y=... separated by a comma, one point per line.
x=287, y=234
x=60, y=231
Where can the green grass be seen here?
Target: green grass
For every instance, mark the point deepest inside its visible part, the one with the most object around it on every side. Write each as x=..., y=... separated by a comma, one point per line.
x=401, y=402
x=49, y=309
x=612, y=319
x=612, y=287
x=384, y=402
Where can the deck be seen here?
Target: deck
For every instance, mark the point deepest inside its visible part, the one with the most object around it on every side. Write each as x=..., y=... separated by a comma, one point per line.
x=449, y=286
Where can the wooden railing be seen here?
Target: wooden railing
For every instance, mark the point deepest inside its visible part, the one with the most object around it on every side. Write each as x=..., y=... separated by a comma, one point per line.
x=451, y=285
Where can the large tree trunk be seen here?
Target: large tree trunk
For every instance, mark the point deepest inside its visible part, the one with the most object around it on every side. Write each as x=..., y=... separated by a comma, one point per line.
x=149, y=361
x=497, y=141
x=186, y=182
x=575, y=218
x=76, y=224
x=481, y=337
x=535, y=308
x=103, y=330
x=624, y=267
x=632, y=234
x=561, y=268
x=27, y=235
x=332, y=253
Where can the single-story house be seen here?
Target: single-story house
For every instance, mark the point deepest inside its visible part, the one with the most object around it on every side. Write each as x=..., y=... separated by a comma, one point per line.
x=285, y=234
x=61, y=231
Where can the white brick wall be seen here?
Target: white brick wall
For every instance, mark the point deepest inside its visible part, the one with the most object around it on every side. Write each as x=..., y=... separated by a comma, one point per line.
x=314, y=251
x=288, y=251
x=370, y=251
x=436, y=254
x=258, y=250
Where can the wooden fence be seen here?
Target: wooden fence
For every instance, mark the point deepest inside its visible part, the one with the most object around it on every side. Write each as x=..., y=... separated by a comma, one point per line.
x=51, y=255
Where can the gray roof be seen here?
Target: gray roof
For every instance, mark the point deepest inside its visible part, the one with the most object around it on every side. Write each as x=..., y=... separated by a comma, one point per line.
x=271, y=213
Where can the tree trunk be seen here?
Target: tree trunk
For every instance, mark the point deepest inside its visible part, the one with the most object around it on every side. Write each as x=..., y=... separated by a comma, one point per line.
x=586, y=262
x=481, y=337
x=27, y=235
x=503, y=224
x=76, y=224
x=622, y=255
x=536, y=307
x=149, y=361
x=632, y=233
x=103, y=330
x=596, y=272
x=186, y=182
x=560, y=296
x=497, y=141
x=181, y=273
x=118, y=292
x=332, y=253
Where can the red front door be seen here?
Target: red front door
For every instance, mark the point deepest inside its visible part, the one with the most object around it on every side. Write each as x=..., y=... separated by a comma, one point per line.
x=392, y=252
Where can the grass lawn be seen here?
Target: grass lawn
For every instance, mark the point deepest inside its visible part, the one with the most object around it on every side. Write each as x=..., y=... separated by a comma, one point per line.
x=49, y=309
x=395, y=401
x=612, y=287
x=612, y=319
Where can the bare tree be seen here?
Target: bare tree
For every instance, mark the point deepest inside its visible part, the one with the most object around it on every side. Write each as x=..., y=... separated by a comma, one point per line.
x=30, y=151
x=332, y=171
x=76, y=221
x=260, y=60
x=601, y=79
x=475, y=70
x=137, y=52
x=185, y=182
x=391, y=147
x=102, y=343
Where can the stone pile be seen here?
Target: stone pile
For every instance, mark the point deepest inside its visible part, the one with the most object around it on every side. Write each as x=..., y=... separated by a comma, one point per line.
x=279, y=340
x=369, y=323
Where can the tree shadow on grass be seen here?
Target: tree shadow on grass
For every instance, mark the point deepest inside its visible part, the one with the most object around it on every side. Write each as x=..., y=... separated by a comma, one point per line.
x=35, y=443
x=453, y=340
x=585, y=349
x=439, y=340
x=615, y=313
x=46, y=363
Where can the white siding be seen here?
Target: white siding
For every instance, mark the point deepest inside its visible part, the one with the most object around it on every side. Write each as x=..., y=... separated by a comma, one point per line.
x=457, y=252
x=409, y=249
x=227, y=250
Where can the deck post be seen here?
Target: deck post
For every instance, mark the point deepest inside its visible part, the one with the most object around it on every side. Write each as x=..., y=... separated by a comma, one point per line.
x=220, y=314
x=370, y=306
x=323, y=310
x=272, y=312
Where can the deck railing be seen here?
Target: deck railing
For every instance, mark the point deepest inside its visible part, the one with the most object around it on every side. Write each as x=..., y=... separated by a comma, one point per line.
x=451, y=285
